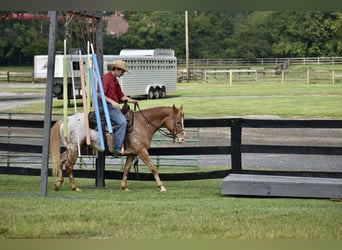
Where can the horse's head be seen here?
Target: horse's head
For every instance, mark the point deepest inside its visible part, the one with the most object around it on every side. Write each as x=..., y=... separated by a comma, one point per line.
x=176, y=124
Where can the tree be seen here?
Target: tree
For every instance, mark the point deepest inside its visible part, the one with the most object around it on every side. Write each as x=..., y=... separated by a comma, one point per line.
x=212, y=34
x=309, y=33
x=250, y=38
x=149, y=30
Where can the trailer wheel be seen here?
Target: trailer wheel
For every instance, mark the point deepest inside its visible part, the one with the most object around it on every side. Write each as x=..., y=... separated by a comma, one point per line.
x=57, y=89
x=157, y=93
x=163, y=92
x=150, y=94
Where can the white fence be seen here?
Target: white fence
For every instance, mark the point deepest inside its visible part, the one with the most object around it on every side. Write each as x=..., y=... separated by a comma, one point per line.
x=306, y=76
x=260, y=61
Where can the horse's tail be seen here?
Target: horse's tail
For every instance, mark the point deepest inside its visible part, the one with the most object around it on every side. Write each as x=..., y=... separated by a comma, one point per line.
x=54, y=148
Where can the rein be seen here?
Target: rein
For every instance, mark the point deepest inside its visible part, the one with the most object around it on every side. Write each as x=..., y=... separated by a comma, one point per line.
x=163, y=132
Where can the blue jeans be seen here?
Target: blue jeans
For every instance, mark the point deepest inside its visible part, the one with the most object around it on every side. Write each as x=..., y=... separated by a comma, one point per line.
x=116, y=116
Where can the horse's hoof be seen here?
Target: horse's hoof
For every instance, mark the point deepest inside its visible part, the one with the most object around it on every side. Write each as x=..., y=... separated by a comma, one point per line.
x=77, y=189
x=126, y=189
x=55, y=187
x=163, y=189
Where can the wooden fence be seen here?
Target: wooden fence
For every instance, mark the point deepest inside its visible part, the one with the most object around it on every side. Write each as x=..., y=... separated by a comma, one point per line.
x=212, y=62
x=234, y=147
x=18, y=77
x=259, y=75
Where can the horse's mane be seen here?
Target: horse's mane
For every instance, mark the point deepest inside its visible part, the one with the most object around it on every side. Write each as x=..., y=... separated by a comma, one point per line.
x=156, y=108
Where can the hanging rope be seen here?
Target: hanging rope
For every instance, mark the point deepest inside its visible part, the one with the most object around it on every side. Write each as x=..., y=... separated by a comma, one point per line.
x=65, y=92
x=82, y=25
x=75, y=108
x=94, y=29
x=76, y=33
x=88, y=32
x=68, y=19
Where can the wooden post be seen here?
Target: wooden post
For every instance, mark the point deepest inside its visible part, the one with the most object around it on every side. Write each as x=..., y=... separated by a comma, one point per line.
x=333, y=77
x=282, y=76
x=230, y=78
x=308, y=76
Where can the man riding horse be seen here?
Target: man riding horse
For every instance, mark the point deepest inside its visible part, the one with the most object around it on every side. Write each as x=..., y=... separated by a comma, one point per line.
x=114, y=95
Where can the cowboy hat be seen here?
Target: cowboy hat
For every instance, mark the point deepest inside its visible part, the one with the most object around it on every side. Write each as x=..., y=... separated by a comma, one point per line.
x=119, y=64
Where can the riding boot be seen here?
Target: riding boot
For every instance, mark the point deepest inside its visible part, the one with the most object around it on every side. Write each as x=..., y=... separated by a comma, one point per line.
x=119, y=153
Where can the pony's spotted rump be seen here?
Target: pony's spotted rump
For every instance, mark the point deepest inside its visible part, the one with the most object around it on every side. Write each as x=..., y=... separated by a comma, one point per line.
x=146, y=123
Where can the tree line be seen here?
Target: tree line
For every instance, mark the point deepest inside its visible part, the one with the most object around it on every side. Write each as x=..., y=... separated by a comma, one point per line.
x=212, y=34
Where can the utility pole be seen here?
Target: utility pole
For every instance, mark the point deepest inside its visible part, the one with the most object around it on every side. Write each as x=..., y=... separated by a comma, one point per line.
x=187, y=47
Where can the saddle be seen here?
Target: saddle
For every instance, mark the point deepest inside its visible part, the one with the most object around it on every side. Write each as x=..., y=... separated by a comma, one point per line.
x=109, y=138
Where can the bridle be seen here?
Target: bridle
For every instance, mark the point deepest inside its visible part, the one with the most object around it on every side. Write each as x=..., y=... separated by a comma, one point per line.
x=173, y=134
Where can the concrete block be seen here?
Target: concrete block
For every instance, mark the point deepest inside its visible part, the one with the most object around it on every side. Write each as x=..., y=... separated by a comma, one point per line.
x=281, y=186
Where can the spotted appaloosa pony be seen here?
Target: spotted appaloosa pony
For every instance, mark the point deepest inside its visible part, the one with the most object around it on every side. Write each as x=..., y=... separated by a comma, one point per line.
x=146, y=123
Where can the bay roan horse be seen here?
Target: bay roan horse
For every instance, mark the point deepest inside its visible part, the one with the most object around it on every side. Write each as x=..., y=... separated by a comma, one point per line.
x=137, y=142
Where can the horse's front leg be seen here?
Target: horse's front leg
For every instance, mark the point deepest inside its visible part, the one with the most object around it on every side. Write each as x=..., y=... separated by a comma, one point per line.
x=72, y=157
x=145, y=157
x=128, y=165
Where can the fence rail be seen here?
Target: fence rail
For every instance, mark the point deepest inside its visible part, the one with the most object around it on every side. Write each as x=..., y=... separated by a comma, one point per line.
x=23, y=77
x=235, y=148
x=194, y=63
x=198, y=66
x=306, y=76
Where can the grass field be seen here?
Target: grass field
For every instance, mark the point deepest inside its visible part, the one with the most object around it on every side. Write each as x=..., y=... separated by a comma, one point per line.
x=189, y=210
x=221, y=100
x=200, y=99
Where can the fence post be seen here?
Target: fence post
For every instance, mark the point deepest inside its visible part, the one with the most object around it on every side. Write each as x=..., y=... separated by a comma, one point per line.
x=9, y=136
x=308, y=76
x=236, y=145
x=8, y=76
x=333, y=77
x=100, y=168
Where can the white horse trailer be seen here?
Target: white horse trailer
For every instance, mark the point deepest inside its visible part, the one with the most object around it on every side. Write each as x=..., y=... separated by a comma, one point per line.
x=152, y=73
x=73, y=68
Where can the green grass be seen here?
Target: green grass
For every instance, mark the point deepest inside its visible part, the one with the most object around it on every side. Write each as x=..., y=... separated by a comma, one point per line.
x=222, y=100
x=189, y=210
x=256, y=89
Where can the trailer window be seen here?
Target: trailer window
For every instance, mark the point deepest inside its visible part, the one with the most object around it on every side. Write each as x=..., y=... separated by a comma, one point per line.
x=76, y=65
